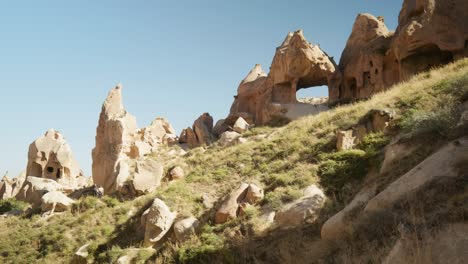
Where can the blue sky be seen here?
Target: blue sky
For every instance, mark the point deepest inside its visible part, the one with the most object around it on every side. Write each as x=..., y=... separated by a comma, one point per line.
x=176, y=59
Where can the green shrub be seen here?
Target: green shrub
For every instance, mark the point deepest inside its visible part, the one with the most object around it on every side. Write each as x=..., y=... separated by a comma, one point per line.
x=11, y=204
x=439, y=121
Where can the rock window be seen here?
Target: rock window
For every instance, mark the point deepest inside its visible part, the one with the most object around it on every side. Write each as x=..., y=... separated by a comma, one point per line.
x=50, y=169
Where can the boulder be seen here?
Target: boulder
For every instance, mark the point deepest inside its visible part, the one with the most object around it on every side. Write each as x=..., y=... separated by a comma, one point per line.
x=189, y=137
x=345, y=140
x=240, y=126
x=445, y=163
x=56, y=201
x=34, y=188
x=148, y=176
x=303, y=210
x=240, y=197
x=51, y=157
x=220, y=127
x=158, y=220
x=380, y=119
x=184, y=228
x=228, y=137
x=177, y=173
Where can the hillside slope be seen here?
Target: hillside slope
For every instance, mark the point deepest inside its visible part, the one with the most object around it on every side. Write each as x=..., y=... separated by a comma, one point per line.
x=283, y=159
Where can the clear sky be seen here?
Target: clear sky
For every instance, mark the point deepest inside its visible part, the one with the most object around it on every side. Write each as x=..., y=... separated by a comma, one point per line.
x=176, y=59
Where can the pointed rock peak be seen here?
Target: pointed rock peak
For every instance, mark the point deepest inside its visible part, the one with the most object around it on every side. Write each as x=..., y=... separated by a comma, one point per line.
x=286, y=40
x=113, y=105
x=254, y=74
x=298, y=40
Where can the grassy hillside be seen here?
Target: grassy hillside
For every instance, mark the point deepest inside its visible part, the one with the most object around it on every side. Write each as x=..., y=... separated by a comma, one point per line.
x=283, y=160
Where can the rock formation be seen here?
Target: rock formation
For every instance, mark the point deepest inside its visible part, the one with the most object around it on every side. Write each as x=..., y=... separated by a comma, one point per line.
x=119, y=157
x=35, y=187
x=200, y=134
x=51, y=157
x=184, y=228
x=297, y=64
x=430, y=33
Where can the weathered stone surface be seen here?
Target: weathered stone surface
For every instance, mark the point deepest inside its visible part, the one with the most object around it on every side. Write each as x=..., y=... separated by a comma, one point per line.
x=303, y=210
x=336, y=226
x=203, y=128
x=240, y=126
x=188, y=137
x=51, y=157
x=446, y=246
x=297, y=64
x=114, y=138
x=35, y=187
x=430, y=33
x=177, y=173
x=184, y=228
x=240, y=197
x=56, y=201
x=119, y=158
x=148, y=176
x=444, y=163
x=6, y=187
x=158, y=220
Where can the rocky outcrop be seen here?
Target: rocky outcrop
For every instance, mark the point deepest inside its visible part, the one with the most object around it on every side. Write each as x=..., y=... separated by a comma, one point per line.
x=445, y=163
x=51, y=157
x=200, y=134
x=157, y=220
x=120, y=160
x=6, y=187
x=245, y=194
x=429, y=33
x=176, y=173
x=297, y=64
x=303, y=210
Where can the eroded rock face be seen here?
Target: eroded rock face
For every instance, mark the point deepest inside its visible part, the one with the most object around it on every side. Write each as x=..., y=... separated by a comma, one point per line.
x=120, y=156
x=365, y=68
x=430, y=33
x=6, y=187
x=297, y=64
x=158, y=219
x=51, y=157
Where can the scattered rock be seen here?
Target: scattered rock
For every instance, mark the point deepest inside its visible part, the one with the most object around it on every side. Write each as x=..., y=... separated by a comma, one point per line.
x=228, y=137
x=34, y=188
x=244, y=194
x=303, y=210
x=240, y=126
x=345, y=140
x=184, y=228
x=56, y=201
x=158, y=220
x=177, y=173
x=203, y=128
x=148, y=176
x=188, y=137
